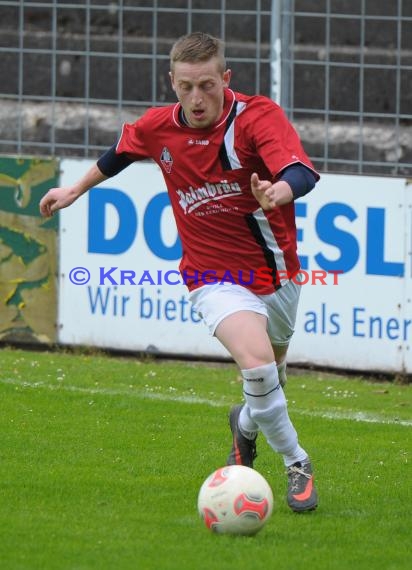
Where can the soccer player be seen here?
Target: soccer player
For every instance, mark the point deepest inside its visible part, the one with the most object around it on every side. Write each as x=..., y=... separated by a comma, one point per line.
x=233, y=166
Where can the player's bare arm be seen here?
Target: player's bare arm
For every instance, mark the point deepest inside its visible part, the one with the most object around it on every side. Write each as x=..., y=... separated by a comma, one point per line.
x=58, y=198
x=270, y=195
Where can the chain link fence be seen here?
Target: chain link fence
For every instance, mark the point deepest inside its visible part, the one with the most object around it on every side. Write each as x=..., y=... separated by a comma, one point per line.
x=73, y=72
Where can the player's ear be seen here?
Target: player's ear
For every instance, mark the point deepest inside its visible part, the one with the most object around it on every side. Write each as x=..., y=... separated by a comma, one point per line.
x=172, y=80
x=226, y=77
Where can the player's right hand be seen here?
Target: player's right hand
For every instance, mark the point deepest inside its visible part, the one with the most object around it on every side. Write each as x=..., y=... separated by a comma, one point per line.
x=56, y=199
x=270, y=195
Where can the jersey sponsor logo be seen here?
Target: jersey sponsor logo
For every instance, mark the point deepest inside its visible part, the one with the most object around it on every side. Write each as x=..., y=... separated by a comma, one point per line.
x=166, y=159
x=202, y=142
x=195, y=197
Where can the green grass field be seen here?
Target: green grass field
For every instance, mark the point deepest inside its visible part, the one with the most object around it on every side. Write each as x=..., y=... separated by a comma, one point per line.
x=101, y=460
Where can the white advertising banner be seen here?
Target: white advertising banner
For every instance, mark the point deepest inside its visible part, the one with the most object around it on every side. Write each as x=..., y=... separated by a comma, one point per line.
x=362, y=317
x=120, y=286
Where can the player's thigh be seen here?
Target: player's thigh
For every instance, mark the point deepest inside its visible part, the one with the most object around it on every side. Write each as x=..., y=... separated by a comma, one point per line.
x=245, y=336
x=238, y=318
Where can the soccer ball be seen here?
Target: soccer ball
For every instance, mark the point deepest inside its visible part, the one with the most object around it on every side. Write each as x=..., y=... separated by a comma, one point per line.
x=235, y=500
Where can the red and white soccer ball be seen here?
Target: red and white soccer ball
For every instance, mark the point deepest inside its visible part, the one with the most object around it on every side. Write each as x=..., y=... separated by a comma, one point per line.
x=235, y=500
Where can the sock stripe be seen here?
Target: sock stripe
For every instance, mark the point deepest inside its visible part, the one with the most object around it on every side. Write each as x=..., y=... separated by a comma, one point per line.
x=262, y=395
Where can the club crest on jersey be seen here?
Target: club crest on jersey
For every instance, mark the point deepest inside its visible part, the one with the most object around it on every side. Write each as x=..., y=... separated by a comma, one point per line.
x=166, y=159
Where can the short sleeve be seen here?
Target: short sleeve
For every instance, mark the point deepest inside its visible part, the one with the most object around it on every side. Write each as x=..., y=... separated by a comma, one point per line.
x=275, y=139
x=132, y=140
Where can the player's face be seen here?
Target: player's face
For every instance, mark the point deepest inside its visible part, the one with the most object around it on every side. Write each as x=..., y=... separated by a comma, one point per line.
x=199, y=88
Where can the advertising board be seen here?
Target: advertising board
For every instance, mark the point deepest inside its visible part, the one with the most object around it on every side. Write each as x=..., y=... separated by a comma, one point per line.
x=120, y=286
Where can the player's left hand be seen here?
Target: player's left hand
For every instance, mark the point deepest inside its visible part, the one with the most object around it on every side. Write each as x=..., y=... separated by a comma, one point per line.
x=270, y=195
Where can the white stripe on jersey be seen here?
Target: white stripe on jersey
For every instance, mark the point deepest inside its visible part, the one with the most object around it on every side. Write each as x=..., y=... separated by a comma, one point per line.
x=121, y=135
x=229, y=140
x=271, y=244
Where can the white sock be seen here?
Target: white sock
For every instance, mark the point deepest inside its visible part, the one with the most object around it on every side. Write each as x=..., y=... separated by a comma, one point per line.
x=300, y=456
x=267, y=408
x=247, y=426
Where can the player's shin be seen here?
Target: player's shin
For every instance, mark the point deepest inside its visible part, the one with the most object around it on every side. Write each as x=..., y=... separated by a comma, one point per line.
x=268, y=409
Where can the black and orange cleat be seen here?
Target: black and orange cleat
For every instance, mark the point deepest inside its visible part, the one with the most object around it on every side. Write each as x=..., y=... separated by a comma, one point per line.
x=243, y=450
x=302, y=495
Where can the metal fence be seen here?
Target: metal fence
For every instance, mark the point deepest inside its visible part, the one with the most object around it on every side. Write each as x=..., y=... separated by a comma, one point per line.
x=73, y=71
x=346, y=71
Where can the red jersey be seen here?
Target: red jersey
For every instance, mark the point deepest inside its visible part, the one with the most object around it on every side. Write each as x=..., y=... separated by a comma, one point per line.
x=225, y=234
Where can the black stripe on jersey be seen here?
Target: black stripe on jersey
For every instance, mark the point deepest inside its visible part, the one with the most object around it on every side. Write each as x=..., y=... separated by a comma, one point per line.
x=267, y=252
x=222, y=151
x=224, y=160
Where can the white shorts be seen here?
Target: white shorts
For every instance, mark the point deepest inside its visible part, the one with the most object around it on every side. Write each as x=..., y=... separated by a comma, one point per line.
x=215, y=302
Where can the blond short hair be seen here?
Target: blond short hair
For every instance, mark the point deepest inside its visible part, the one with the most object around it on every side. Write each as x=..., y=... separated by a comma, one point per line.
x=197, y=47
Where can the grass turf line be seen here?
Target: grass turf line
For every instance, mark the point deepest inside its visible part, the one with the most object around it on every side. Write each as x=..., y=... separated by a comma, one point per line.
x=102, y=459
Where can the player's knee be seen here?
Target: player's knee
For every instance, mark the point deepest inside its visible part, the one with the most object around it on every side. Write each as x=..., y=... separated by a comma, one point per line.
x=261, y=384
